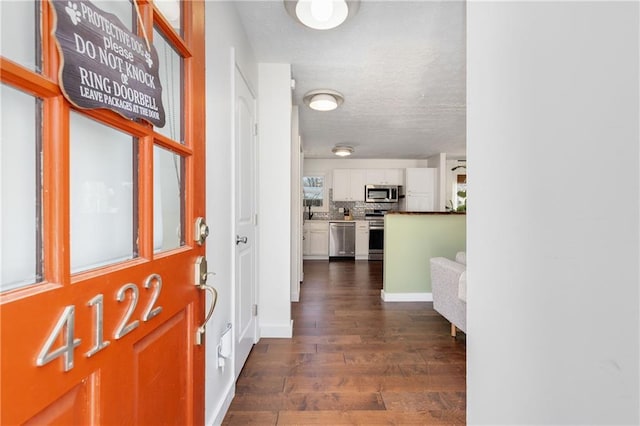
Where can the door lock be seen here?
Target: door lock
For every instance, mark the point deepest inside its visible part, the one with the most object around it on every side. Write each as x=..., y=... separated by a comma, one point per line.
x=240, y=239
x=201, y=231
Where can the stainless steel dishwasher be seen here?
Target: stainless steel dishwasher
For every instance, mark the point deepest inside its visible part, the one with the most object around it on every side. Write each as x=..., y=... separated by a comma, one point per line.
x=342, y=240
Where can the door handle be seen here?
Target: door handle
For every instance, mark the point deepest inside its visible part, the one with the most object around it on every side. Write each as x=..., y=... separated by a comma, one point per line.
x=240, y=239
x=201, y=275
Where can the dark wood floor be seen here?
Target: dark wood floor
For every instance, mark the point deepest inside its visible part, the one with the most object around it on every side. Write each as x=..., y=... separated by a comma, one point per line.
x=354, y=359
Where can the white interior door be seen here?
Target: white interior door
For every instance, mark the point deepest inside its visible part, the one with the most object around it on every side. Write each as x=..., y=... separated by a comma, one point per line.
x=245, y=224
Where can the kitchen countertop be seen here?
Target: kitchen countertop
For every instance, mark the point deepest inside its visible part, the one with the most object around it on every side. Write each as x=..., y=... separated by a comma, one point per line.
x=334, y=220
x=426, y=213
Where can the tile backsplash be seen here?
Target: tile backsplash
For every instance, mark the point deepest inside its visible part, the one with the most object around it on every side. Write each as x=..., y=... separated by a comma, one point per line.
x=357, y=209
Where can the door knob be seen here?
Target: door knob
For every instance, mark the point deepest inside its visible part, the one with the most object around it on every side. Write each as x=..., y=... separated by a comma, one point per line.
x=240, y=239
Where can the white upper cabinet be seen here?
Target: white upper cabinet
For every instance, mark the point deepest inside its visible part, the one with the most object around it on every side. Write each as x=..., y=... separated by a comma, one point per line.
x=385, y=177
x=341, y=184
x=348, y=184
x=376, y=176
x=357, y=183
x=394, y=176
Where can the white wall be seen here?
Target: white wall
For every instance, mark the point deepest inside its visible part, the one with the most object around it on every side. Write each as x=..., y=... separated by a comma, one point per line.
x=553, y=232
x=296, y=205
x=226, y=45
x=274, y=200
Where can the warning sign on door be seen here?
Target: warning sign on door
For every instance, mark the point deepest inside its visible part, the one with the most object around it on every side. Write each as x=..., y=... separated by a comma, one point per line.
x=104, y=65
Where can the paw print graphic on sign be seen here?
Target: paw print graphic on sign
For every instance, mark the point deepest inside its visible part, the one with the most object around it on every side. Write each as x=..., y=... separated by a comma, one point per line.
x=147, y=57
x=73, y=12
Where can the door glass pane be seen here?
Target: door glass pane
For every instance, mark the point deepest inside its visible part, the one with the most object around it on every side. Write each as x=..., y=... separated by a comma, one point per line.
x=171, y=10
x=20, y=195
x=20, y=32
x=168, y=200
x=171, y=79
x=103, y=190
x=123, y=9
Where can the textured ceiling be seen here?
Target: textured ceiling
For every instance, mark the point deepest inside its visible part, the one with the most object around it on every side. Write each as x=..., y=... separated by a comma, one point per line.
x=400, y=66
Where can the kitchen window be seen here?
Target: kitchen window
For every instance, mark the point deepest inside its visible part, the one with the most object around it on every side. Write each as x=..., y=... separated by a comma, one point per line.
x=314, y=192
x=461, y=192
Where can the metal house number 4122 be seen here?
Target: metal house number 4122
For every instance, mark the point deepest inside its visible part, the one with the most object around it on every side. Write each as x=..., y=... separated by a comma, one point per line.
x=65, y=326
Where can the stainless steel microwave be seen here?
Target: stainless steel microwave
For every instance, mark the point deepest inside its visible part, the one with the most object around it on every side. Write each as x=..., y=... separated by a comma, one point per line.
x=382, y=193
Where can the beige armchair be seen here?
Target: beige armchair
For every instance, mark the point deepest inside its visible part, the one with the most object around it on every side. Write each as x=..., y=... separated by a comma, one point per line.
x=449, y=289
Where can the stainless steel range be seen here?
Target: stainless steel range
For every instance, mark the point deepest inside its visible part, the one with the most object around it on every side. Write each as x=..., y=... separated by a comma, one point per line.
x=376, y=233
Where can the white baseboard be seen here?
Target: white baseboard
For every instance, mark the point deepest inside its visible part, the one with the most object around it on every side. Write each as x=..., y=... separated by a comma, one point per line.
x=277, y=330
x=406, y=297
x=223, y=407
x=295, y=296
x=315, y=257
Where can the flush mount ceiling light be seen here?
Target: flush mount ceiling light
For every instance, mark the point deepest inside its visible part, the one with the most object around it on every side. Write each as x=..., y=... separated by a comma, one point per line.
x=321, y=14
x=342, y=151
x=323, y=99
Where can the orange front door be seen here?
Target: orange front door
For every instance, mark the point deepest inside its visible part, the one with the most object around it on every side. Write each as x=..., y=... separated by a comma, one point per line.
x=99, y=308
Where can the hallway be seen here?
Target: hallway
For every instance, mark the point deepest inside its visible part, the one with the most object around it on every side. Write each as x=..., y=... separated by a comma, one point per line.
x=354, y=359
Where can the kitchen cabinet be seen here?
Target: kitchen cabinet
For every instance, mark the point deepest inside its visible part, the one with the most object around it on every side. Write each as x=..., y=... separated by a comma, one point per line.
x=362, y=240
x=420, y=190
x=385, y=177
x=348, y=184
x=395, y=177
x=315, y=239
x=356, y=184
x=341, y=184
